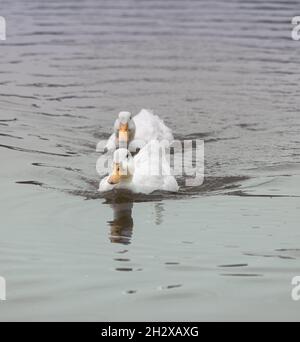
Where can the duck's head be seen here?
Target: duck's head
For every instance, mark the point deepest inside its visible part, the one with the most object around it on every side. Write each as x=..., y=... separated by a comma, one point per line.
x=123, y=167
x=125, y=117
x=126, y=128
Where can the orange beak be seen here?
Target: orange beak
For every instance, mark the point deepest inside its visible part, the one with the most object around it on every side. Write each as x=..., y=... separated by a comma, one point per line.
x=115, y=177
x=123, y=133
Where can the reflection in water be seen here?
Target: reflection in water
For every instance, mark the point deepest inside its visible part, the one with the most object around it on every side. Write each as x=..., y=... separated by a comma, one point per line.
x=122, y=225
x=159, y=209
x=121, y=228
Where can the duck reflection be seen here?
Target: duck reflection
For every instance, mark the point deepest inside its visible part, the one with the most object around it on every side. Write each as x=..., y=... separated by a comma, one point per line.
x=121, y=226
x=159, y=211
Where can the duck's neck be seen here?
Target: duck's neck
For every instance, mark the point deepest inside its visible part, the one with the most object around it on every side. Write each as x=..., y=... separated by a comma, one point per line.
x=125, y=181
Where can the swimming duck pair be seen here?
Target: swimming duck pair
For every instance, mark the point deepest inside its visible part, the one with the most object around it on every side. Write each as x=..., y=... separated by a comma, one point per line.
x=146, y=171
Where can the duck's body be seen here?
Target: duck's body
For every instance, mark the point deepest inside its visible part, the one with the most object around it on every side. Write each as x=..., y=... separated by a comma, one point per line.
x=143, y=128
x=145, y=173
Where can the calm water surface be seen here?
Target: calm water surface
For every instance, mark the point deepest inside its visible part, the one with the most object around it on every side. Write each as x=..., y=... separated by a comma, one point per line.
x=222, y=71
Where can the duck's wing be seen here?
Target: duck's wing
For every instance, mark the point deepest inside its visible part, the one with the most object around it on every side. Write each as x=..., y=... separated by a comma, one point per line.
x=152, y=171
x=151, y=127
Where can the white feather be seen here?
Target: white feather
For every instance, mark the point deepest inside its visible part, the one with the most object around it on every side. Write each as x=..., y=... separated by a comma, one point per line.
x=147, y=127
x=151, y=172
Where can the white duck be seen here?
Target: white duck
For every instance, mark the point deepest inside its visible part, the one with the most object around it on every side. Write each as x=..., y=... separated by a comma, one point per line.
x=148, y=171
x=134, y=133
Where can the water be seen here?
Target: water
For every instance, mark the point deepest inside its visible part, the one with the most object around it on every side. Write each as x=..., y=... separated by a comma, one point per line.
x=222, y=71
